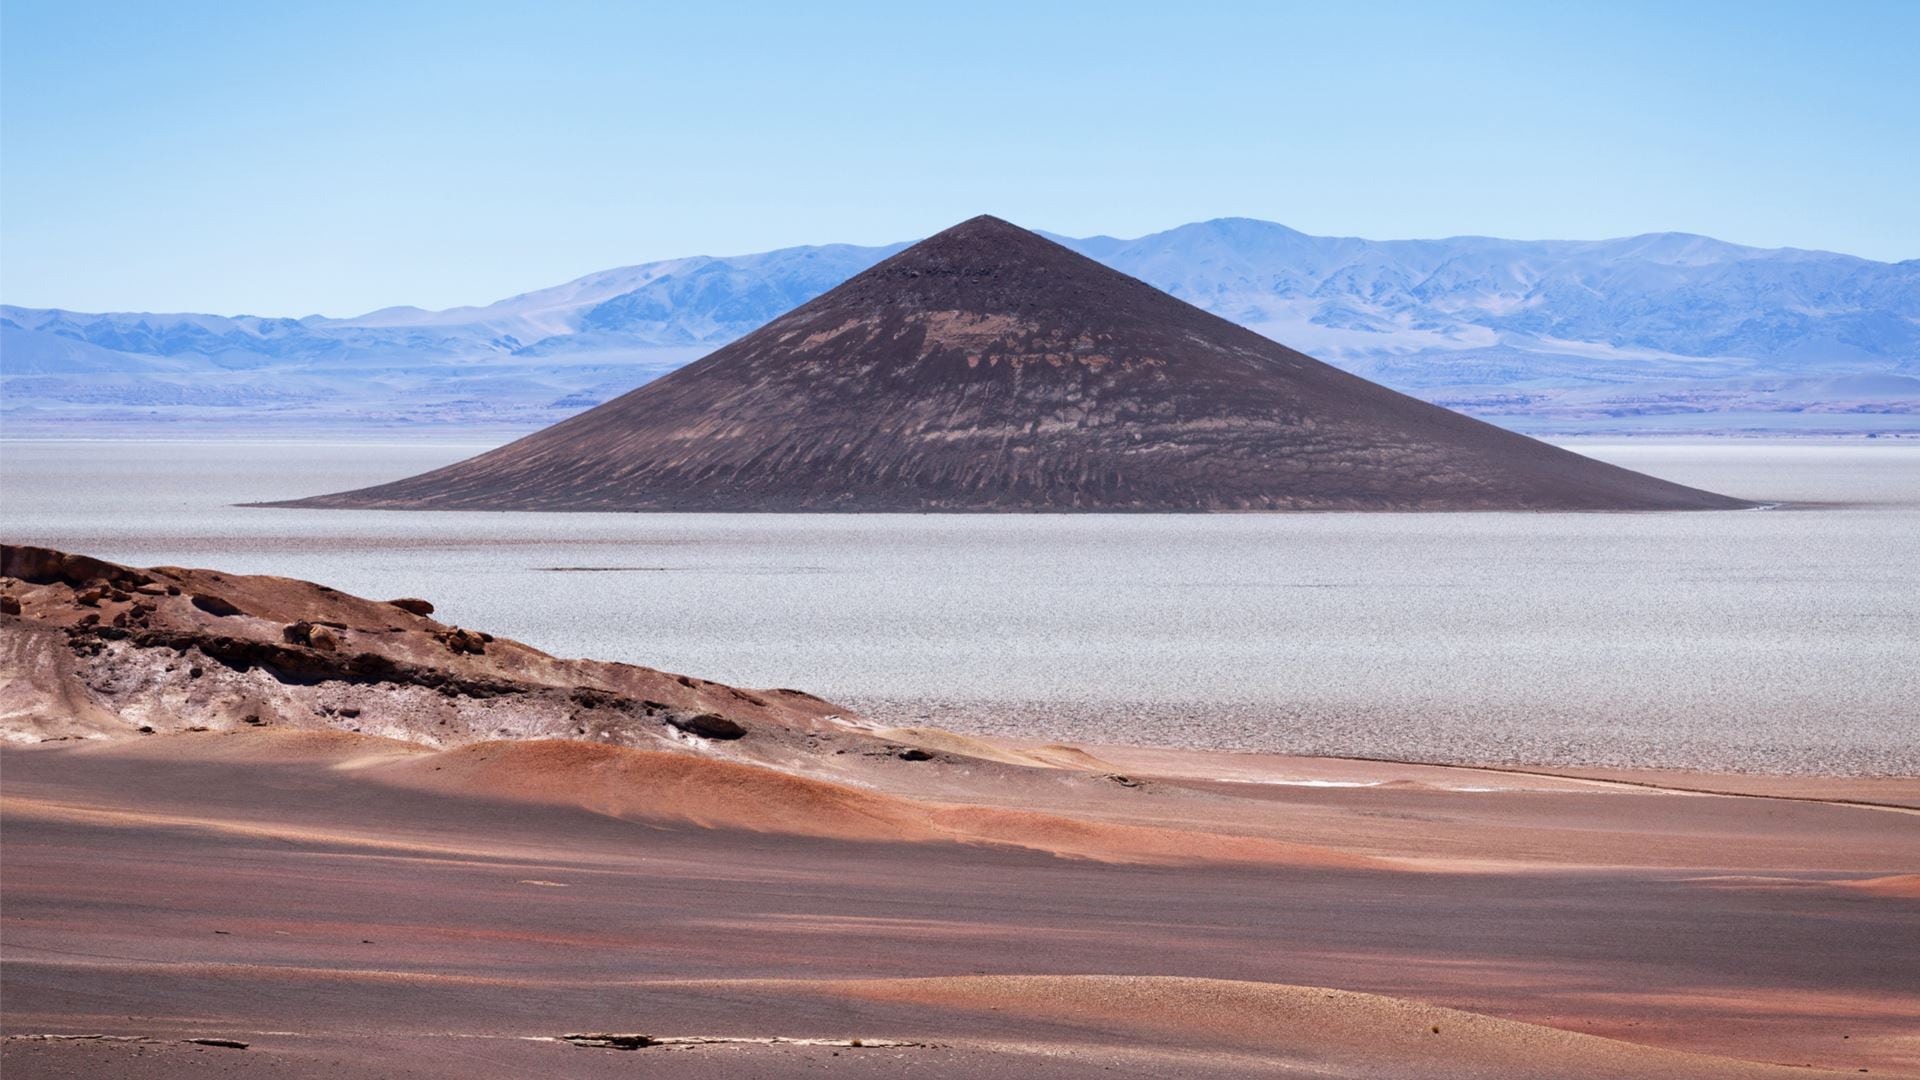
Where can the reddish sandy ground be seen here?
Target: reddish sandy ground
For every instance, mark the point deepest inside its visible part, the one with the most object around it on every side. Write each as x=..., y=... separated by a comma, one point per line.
x=354, y=907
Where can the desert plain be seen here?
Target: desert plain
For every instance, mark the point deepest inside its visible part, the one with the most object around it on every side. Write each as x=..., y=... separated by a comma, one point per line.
x=256, y=826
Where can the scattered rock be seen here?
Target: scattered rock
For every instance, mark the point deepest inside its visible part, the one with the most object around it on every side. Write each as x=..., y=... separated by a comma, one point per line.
x=463, y=641
x=592, y=697
x=350, y=712
x=214, y=605
x=322, y=636
x=81, y=1038
x=413, y=604
x=90, y=597
x=707, y=725
x=9, y=604
x=230, y=1044
x=609, y=1041
x=914, y=753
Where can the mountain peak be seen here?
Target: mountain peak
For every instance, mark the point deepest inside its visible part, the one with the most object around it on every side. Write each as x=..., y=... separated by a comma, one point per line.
x=985, y=264
x=989, y=368
x=982, y=224
x=978, y=242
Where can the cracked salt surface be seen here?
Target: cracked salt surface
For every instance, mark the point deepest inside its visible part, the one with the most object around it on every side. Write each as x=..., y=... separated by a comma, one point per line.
x=1780, y=641
x=1314, y=783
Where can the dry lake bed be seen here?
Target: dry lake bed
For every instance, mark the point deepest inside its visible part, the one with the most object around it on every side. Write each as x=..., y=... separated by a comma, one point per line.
x=1771, y=640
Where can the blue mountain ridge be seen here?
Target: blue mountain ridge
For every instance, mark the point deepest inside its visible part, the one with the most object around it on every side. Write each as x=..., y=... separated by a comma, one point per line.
x=1665, y=331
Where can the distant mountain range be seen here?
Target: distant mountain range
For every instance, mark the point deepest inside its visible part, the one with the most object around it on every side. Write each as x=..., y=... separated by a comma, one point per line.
x=1667, y=331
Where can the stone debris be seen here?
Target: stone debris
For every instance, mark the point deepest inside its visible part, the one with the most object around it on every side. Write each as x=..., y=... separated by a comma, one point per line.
x=707, y=725
x=608, y=1041
x=214, y=605
x=79, y=1038
x=467, y=642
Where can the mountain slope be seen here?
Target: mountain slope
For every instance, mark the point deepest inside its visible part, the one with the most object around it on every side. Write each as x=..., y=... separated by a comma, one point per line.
x=988, y=368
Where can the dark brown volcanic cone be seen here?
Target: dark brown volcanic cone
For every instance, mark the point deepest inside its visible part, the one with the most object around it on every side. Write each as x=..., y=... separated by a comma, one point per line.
x=988, y=368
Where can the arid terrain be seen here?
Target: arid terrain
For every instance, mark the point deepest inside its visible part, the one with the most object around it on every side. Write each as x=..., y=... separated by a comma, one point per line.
x=365, y=843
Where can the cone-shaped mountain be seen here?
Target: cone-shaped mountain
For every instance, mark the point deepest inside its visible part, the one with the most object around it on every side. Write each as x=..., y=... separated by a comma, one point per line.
x=990, y=369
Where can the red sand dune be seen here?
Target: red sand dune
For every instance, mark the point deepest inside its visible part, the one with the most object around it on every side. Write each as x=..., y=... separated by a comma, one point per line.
x=1323, y=1031
x=386, y=907
x=671, y=787
x=1901, y=886
x=665, y=787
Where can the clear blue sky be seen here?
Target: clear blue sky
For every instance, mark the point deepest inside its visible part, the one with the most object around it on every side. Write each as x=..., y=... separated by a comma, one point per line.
x=286, y=159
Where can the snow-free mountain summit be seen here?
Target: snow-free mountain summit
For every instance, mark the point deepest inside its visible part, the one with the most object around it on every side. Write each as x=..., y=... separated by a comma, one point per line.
x=990, y=369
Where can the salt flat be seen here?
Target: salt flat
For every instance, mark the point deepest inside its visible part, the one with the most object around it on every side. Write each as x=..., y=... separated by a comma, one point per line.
x=1775, y=640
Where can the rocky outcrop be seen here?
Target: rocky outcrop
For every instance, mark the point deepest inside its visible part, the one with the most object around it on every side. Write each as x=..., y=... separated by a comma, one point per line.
x=320, y=637
x=92, y=648
x=707, y=725
x=216, y=605
x=142, y=660
x=605, y=1040
x=45, y=566
x=465, y=642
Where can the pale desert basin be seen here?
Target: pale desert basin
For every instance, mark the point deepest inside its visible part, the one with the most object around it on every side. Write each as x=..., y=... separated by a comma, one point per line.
x=255, y=826
x=1765, y=640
